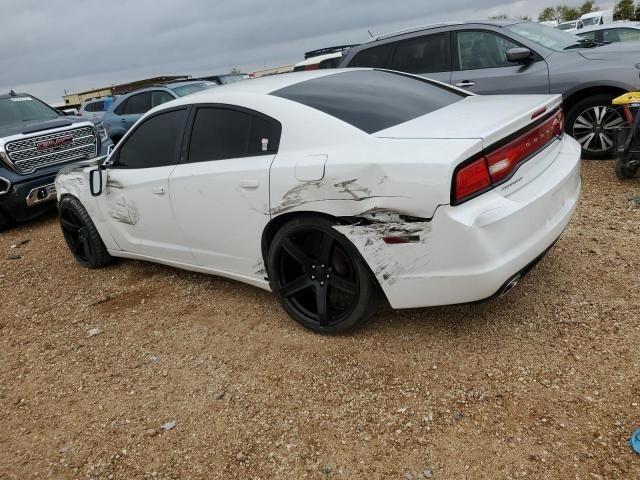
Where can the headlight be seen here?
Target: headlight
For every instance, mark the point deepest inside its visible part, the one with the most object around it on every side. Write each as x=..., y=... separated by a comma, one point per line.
x=102, y=132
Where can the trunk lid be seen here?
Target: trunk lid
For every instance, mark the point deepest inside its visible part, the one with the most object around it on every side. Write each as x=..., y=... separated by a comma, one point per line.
x=489, y=118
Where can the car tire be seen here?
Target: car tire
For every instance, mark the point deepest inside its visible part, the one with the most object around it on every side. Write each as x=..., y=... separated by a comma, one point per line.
x=81, y=234
x=593, y=128
x=5, y=221
x=623, y=171
x=319, y=277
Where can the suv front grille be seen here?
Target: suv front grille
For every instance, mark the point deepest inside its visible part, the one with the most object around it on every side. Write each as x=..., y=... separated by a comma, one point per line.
x=41, y=151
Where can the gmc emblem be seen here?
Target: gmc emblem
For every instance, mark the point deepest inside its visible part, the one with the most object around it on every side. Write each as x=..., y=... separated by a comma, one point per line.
x=55, y=142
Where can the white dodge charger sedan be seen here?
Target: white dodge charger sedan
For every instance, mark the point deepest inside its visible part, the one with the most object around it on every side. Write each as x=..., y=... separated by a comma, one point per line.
x=333, y=189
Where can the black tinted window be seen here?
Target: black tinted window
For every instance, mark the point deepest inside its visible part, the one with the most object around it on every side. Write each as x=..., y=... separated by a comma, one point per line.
x=375, y=57
x=422, y=55
x=155, y=142
x=98, y=106
x=140, y=103
x=220, y=133
x=371, y=100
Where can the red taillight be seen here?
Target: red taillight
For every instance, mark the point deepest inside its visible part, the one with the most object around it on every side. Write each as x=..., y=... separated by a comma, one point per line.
x=472, y=178
x=500, y=163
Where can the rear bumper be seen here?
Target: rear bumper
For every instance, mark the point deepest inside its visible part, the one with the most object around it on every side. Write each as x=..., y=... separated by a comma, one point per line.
x=468, y=252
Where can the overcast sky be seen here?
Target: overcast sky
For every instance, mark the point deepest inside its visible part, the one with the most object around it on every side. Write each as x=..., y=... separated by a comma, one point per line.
x=48, y=46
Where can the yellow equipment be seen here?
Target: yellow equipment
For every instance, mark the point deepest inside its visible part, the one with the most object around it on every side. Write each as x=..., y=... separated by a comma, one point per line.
x=627, y=99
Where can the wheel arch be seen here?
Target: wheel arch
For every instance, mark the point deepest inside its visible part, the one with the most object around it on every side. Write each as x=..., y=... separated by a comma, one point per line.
x=278, y=222
x=577, y=94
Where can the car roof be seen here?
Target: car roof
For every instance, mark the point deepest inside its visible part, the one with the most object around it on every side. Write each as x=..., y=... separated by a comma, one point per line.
x=493, y=23
x=15, y=94
x=609, y=26
x=264, y=85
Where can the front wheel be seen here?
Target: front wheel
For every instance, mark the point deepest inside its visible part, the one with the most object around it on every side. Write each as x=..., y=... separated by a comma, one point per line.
x=623, y=170
x=593, y=122
x=319, y=277
x=81, y=234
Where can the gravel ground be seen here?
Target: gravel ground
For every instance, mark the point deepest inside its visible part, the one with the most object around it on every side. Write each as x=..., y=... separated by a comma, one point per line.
x=543, y=383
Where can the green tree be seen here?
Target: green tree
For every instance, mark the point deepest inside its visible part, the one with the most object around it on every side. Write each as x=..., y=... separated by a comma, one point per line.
x=547, y=15
x=566, y=13
x=625, y=10
x=588, y=7
x=500, y=16
x=636, y=16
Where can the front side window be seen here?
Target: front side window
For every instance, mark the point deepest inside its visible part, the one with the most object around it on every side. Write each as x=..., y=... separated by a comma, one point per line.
x=483, y=50
x=155, y=142
x=222, y=133
x=621, y=35
x=371, y=100
x=375, y=57
x=426, y=54
x=137, y=104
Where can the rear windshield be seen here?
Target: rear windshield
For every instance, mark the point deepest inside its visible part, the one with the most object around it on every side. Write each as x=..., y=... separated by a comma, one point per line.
x=371, y=100
x=192, y=88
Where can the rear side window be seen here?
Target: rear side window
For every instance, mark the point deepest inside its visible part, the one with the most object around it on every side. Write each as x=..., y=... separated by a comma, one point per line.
x=159, y=97
x=155, y=142
x=138, y=104
x=222, y=133
x=371, y=100
x=426, y=54
x=374, y=57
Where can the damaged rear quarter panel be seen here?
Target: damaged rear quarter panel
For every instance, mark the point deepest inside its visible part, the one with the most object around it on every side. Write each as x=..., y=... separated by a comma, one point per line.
x=388, y=262
x=410, y=176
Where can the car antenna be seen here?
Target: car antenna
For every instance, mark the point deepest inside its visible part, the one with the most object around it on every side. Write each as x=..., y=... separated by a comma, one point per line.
x=371, y=34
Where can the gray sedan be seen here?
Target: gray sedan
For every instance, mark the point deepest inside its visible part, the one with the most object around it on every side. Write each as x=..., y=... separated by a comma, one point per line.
x=496, y=57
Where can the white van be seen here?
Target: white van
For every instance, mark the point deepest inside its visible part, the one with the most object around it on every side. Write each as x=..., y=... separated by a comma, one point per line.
x=596, y=18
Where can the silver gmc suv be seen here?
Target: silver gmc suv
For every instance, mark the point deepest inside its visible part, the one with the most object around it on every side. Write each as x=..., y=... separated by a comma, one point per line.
x=511, y=56
x=35, y=142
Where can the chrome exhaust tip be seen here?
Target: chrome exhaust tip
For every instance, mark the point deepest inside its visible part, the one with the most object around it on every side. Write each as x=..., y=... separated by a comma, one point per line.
x=510, y=285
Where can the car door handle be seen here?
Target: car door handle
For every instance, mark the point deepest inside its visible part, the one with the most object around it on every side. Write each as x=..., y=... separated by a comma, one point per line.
x=159, y=191
x=248, y=184
x=465, y=84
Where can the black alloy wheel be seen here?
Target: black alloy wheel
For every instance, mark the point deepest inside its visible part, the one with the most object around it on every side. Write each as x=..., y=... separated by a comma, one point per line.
x=81, y=235
x=593, y=123
x=319, y=276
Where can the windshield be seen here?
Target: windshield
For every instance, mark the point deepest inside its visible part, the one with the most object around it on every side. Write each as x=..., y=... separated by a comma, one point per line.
x=590, y=21
x=551, y=38
x=567, y=26
x=24, y=109
x=192, y=88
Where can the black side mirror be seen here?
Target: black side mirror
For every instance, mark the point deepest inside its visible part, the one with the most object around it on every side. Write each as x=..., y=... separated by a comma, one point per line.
x=95, y=181
x=519, y=55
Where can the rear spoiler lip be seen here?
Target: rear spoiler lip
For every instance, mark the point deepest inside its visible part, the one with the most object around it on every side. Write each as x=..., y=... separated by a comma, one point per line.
x=496, y=145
